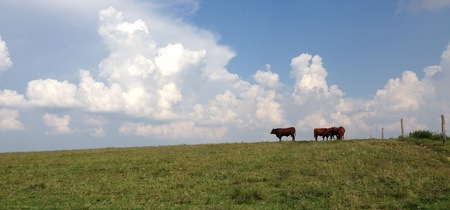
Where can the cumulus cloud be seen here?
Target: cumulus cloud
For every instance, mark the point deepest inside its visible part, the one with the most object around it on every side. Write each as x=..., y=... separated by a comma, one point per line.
x=174, y=57
x=52, y=93
x=9, y=120
x=404, y=94
x=11, y=98
x=169, y=95
x=140, y=78
x=98, y=97
x=172, y=81
x=268, y=109
x=316, y=103
x=59, y=125
x=310, y=73
x=311, y=83
x=5, y=60
x=144, y=79
x=267, y=78
x=221, y=110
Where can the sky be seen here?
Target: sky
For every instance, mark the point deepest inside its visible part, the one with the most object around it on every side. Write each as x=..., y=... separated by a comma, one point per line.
x=83, y=74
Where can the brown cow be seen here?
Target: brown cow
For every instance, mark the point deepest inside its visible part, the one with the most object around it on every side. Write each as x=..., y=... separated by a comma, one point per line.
x=340, y=132
x=324, y=132
x=280, y=132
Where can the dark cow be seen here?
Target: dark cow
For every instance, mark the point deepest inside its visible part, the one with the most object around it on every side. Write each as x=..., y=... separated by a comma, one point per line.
x=280, y=132
x=324, y=132
x=334, y=132
x=338, y=132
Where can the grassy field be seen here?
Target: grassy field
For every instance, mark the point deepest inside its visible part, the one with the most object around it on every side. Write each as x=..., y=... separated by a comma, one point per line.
x=350, y=174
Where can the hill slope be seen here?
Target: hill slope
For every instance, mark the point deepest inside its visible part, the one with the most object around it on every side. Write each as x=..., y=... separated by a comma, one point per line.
x=388, y=174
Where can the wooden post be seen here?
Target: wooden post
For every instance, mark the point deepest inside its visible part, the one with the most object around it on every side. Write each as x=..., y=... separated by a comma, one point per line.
x=444, y=136
x=401, y=124
x=382, y=133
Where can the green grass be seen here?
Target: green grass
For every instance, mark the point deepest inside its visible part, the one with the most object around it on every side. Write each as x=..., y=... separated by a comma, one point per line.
x=356, y=174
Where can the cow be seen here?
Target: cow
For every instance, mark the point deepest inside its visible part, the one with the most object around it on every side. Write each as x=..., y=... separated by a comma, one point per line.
x=324, y=132
x=280, y=132
x=334, y=132
x=340, y=132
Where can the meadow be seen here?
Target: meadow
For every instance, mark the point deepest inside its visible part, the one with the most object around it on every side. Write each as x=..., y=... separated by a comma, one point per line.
x=349, y=174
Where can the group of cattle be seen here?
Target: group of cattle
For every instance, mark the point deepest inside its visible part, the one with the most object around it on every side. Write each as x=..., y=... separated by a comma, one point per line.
x=329, y=133
x=326, y=133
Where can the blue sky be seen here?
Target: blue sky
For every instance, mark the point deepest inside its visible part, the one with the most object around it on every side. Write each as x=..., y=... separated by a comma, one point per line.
x=141, y=73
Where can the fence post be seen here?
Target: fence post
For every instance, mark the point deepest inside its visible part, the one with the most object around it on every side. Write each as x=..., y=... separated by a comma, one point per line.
x=382, y=133
x=444, y=136
x=401, y=124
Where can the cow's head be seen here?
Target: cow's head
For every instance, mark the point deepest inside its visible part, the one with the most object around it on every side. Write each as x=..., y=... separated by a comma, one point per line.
x=273, y=131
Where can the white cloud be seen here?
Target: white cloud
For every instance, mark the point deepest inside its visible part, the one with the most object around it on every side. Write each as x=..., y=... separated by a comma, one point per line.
x=11, y=98
x=9, y=121
x=267, y=78
x=146, y=79
x=97, y=97
x=130, y=45
x=268, y=109
x=314, y=102
x=60, y=125
x=174, y=57
x=169, y=95
x=143, y=79
x=174, y=82
x=222, y=110
x=312, y=121
x=311, y=83
x=5, y=60
x=52, y=93
x=309, y=72
x=404, y=94
x=168, y=82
